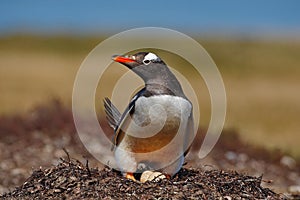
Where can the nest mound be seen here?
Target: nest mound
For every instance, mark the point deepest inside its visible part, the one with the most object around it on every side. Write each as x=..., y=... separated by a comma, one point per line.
x=74, y=180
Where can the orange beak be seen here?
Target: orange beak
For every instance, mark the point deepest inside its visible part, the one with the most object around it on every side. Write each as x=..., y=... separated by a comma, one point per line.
x=122, y=59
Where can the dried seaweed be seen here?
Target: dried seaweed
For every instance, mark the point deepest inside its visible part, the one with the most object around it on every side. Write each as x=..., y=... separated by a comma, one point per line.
x=74, y=180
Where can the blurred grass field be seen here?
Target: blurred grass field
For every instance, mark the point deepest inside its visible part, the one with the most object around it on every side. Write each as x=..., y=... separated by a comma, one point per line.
x=261, y=77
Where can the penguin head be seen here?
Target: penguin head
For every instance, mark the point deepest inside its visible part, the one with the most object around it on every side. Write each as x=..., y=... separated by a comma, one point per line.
x=145, y=64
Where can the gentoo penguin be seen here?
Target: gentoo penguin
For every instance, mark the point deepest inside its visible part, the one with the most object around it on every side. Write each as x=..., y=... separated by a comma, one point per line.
x=155, y=131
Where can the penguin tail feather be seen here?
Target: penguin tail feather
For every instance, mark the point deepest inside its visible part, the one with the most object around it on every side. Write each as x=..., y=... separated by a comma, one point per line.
x=113, y=115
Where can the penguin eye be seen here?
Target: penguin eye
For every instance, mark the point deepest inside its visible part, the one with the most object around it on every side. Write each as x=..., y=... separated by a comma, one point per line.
x=146, y=62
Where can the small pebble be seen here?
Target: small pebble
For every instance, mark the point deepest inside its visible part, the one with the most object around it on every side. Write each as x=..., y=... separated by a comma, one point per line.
x=294, y=189
x=288, y=161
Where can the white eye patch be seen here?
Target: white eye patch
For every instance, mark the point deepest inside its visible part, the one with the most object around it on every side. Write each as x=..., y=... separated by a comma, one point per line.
x=149, y=57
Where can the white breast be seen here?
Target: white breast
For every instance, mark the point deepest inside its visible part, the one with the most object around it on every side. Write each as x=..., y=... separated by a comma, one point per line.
x=172, y=105
x=151, y=114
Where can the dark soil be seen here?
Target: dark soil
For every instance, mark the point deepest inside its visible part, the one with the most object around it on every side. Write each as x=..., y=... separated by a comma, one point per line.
x=32, y=145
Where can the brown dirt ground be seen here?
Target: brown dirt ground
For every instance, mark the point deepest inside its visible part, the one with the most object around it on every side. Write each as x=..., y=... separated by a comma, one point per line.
x=31, y=146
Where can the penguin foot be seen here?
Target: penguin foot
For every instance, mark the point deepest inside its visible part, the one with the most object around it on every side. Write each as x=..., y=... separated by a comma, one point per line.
x=152, y=176
x=130, y=176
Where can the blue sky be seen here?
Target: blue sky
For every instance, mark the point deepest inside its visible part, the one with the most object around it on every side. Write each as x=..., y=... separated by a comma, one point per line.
x=215, y=17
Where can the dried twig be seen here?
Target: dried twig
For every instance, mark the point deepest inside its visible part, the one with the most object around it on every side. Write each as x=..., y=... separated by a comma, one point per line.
x=67, y=153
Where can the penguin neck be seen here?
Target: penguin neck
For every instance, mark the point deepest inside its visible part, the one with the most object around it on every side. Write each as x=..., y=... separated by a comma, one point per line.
x=164, y=86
